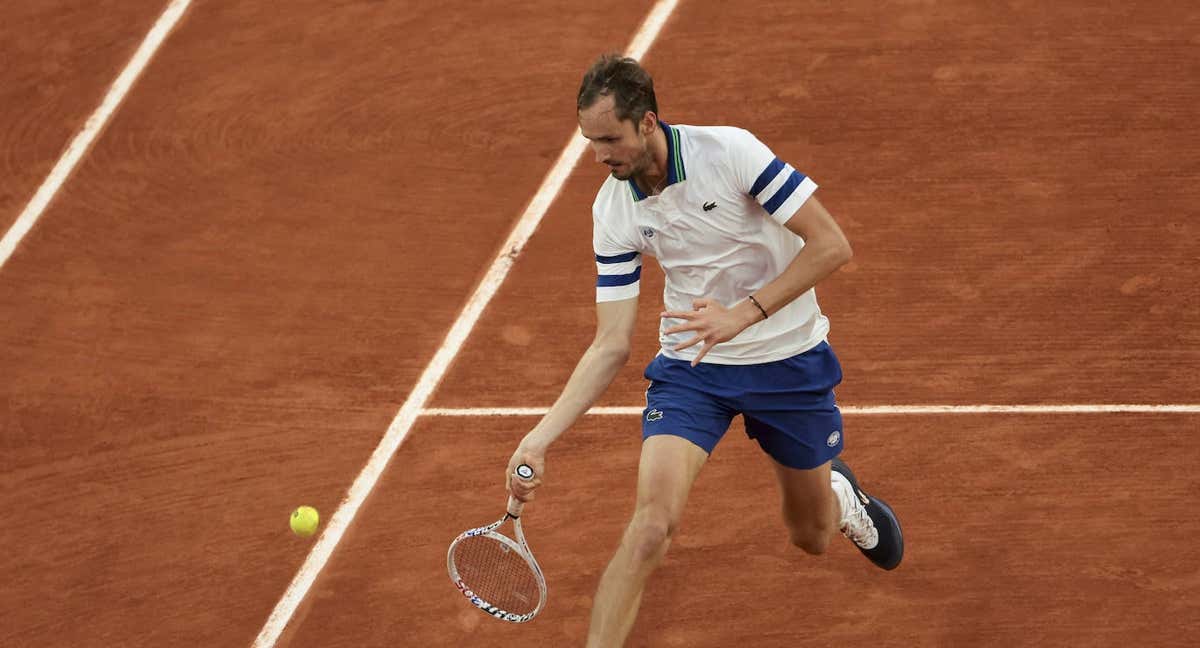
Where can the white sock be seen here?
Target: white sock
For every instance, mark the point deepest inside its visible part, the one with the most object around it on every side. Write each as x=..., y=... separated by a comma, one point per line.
x=847, y=498
x=854, y=522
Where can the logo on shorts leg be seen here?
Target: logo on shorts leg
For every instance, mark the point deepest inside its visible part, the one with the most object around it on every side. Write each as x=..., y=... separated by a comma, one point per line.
x=833, y=439
x=654, y=415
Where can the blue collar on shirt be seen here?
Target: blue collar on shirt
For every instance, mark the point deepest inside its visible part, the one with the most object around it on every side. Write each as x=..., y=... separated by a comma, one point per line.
x=675, y=170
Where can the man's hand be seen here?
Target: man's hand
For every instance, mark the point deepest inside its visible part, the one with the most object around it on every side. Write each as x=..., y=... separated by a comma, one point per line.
x=712, y=322
x=534, y=456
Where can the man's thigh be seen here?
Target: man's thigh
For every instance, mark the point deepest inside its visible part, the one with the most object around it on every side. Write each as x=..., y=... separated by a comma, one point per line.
x=667, y=469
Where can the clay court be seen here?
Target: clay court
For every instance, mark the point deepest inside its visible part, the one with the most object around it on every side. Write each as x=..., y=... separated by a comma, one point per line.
x=260, y=273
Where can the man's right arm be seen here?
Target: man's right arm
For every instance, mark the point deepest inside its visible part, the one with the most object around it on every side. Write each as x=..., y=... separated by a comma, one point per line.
x=593, y=373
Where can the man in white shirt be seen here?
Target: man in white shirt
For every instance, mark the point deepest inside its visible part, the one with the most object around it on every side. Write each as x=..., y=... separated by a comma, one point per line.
x=742, y=241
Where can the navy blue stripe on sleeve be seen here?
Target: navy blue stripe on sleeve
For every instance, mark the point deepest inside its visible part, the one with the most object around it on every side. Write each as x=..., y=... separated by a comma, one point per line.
x=620, y=258
x=607, y=281
x=784, y=192
x=766, y=176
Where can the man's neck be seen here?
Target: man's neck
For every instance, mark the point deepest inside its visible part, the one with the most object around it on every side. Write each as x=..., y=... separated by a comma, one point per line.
x=652, y=183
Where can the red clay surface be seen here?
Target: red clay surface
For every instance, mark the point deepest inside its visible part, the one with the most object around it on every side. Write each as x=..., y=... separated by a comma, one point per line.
x=1024, y=211
x=226, y=305
x=1019, y=534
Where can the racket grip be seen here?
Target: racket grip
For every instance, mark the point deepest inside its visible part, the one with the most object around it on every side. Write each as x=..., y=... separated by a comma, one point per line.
x=524, y=473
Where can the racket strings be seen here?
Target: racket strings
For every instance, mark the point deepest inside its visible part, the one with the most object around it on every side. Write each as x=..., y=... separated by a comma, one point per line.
x=497, y=574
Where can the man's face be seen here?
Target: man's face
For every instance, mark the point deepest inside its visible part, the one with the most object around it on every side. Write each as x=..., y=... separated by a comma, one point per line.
x=619, y=144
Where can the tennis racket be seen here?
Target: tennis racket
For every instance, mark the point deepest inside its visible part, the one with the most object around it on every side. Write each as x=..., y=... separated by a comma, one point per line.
x=496, y=573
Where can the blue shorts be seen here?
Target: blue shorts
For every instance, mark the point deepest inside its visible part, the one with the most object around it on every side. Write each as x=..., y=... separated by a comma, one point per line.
x=788, y=405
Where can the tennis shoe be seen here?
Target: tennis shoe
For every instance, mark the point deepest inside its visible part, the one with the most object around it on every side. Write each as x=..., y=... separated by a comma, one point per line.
x=867, y=521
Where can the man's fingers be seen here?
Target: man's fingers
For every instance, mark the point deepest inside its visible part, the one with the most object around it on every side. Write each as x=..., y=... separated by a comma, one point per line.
x=702, y=353
x=680, y=328
x=685, y=315
x=695, y=340
x=520, y=491
x=526, y=494
x=523, y=490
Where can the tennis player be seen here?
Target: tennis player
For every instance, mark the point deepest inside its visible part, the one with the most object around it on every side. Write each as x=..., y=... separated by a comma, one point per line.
x=742, y=241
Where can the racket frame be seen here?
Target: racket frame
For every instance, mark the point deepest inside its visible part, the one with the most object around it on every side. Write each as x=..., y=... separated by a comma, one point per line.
x=519, y=546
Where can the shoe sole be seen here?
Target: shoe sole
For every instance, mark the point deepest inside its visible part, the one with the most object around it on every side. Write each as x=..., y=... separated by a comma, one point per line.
x=841, y=467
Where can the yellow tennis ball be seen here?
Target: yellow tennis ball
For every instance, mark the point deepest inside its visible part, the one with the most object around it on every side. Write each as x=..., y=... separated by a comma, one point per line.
x=305, y=521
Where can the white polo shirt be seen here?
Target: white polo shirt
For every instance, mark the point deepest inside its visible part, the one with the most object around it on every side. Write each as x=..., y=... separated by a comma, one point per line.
x=717, y=231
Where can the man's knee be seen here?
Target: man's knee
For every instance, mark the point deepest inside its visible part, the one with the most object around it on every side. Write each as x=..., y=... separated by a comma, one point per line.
x=650, y=533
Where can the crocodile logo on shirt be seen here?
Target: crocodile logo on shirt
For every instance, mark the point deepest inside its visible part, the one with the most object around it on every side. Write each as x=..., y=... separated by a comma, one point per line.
x=709, y=206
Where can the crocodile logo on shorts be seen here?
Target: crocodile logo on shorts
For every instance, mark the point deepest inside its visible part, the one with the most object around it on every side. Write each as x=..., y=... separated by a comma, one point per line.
x=833, y=439
x=654, y=415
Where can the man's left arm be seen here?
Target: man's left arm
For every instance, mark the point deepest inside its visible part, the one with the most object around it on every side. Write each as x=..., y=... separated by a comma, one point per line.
x=825, y=250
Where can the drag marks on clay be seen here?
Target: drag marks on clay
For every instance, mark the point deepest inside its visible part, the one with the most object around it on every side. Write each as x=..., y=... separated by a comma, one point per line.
x=96, y=123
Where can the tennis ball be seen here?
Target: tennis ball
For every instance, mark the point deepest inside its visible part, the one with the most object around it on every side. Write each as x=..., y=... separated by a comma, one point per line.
x=304, y=521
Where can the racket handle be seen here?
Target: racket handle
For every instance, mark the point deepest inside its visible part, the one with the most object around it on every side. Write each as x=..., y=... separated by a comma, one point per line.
x=524, y=473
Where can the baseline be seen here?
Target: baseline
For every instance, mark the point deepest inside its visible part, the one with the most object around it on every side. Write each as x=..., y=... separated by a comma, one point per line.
x=869, y=410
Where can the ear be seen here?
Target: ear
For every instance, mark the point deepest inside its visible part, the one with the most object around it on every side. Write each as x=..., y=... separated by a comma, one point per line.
x=649, y=122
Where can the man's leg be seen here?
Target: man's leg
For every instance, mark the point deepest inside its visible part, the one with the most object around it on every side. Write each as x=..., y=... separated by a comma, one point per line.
x=790, y=409
x=810, y=509
x=826, y=498
x=668, y=467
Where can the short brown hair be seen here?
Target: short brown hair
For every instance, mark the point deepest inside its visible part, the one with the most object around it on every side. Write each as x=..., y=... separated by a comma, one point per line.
x=630, y=85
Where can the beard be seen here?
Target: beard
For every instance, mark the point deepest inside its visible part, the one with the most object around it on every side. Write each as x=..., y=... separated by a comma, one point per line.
x=636, y=166
x=622, y=175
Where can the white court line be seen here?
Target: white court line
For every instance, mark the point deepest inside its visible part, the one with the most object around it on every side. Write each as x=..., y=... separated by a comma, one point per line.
x=414, y=405
x=858, y=410
x=91, y=128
